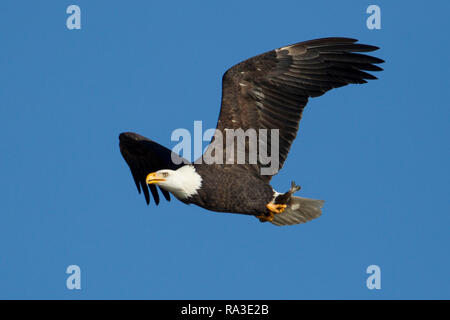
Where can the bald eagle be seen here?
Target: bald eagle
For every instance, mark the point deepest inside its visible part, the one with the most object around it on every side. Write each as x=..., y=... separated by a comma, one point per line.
x=268, y=91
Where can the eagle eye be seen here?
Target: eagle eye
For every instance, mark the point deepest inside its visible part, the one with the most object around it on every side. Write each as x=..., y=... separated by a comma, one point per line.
x=165, y=174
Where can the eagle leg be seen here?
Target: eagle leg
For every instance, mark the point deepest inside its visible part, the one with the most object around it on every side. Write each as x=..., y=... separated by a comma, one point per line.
x=279, y=204
x=273, y=209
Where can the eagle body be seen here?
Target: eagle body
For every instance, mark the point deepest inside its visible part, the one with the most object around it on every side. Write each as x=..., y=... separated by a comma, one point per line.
x=220, y=192
x=266, y=93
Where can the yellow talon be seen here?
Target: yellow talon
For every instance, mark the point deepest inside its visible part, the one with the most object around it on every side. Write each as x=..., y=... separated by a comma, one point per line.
x=276, y=208
x=273, y=209
x=264, y=218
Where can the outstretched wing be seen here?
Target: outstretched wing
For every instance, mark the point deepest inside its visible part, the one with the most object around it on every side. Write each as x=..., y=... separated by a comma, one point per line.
x=269, y=91
x=144, y=156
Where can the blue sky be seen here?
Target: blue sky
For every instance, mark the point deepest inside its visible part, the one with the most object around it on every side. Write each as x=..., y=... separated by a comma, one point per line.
x=377, y=153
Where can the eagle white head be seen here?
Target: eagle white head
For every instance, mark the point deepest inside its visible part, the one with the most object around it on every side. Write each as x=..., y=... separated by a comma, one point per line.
x=182, y=183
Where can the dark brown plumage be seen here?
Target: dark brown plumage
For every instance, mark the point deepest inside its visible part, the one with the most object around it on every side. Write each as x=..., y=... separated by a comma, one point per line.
x=277, y=84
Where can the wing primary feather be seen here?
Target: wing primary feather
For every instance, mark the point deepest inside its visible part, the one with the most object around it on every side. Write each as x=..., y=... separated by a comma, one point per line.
x=154, y=193
x=144, y=156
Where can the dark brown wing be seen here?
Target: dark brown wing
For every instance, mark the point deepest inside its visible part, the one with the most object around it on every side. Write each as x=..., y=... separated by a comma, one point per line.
x=144, y=156
x=269, y=91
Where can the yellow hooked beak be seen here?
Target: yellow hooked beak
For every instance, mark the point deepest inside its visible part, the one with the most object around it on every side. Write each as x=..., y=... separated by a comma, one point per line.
x=154, y=177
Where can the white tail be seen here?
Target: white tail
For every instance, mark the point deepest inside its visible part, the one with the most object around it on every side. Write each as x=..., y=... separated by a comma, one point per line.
x=299, y=210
